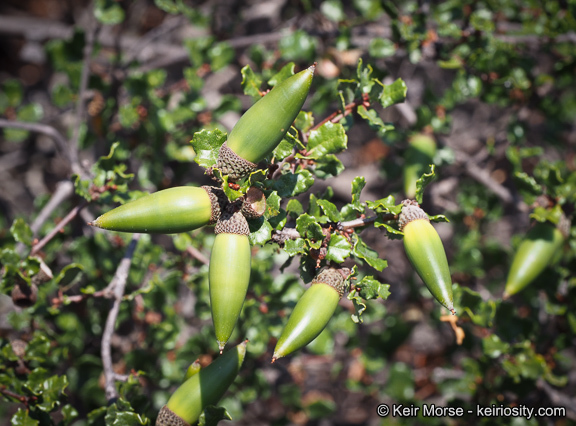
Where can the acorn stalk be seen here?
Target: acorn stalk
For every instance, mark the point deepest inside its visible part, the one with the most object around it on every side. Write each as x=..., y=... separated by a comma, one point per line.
x=425, y=252
x=229, y=273
x=312, y=312
x=169, y=211
x=202, y=389
x=262, y=127
x=536, y=252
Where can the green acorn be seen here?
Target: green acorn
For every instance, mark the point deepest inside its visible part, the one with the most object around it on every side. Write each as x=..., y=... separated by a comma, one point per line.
x=202, y=389
x=417, y=159
x=312, y=312
x=262, y=127
x=169, y=211
x=426, y=253
x=538, y=250
x=229, y=273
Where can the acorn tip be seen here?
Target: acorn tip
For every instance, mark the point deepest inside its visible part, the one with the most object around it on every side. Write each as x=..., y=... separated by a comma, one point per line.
x=453, y=311
x=273, y=360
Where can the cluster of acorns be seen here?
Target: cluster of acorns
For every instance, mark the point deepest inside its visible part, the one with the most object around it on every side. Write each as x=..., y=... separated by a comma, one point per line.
x=184, y=209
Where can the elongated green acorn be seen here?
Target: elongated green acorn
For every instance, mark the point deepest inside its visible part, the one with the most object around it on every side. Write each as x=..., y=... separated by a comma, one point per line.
x=539, y=248
x=426, y=253
x=417, y=158
x=169, y=211
x=262, y=127
x=204, y=388
x=312, y=312
x=229, y=273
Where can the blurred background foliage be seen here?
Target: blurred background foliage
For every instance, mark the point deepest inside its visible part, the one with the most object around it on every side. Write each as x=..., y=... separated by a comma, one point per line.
x=113, y=91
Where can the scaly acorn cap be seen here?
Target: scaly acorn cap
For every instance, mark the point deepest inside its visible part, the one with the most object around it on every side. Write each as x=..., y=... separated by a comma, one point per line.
x=166, y=417
x=334, y=278
x=232, y=223
x=254, y=204
x=426, y=253
x=218, y=201
x=232, y=164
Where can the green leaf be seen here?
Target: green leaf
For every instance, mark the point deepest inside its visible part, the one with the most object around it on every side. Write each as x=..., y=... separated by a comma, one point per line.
x=69, y=274
x=292, y=184
x=328, y=166
x=384, y=205
x=21, y=232
x=358, y=184
x=121, y=413
x=527, y=184
x=206, y=144
x=232, y=194
x=374, y=121
x=423, y=182
x=370, y=288
x=338, y=248
x=272, y=205
x=50, y=388
x=394, y=93
x=167, y=6
x=22, y=418
x=381, y=48
x=294, y=247
x=330, y=210
x=108, y=12
x=251, y=82
x=212, y=415
x=362, y=251
x=260, y=231
x=330, y=138
x=494, y=347
x=309, y=228
x=294, y=208
x=286, y=71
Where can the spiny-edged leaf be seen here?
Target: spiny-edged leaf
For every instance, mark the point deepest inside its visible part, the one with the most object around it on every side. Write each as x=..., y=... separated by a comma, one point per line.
x=330, y=210
x=542, y=214
x=253, y=178
x=21, y=232
x=250, y=82
x=364, y=73
x=394, y=93
x=22, y=418
x=359, y=306
x=304, y=121
x=272, y=205
x=330, y=138
x=393, y=232
x=284, y=149
x=384, y=205
x=260, y=231
x=232, y=194
x=308, y=227
x=527, y=183
x=206, y=144
x=370, y=288
x=294, y=247
x=294, y=208
x=69, y=274
x=212, y=415
x=328, y=166
x=338, y=248
x=286, y=72
x=374, y=121
x=438, y=218
x=358, y=184
x=51, y=388
x=362, y=251
x=291, y=184
x=121, y=413
x=314, y=207
x=423, y=182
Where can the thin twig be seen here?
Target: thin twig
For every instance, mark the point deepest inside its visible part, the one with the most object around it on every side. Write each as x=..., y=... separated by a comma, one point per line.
x=59, y=140
x=91, y=32
x=196, y=254
x=117, y=285
x=282, y=235
x=69, y=217
x=357, y=223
